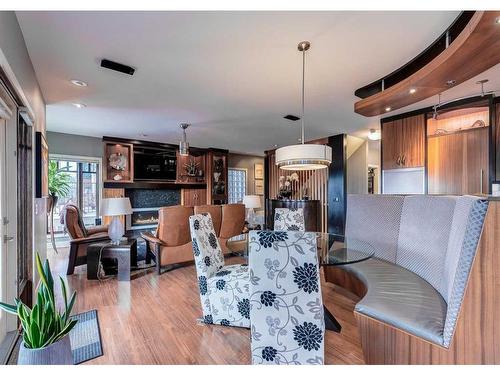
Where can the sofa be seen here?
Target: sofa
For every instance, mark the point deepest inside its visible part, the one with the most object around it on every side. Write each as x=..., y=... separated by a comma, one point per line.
x=412, y=291
x=171, y=243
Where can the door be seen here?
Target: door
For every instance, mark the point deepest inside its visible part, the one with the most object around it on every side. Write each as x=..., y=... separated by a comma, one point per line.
x=476, y=163
x=413, y=142
x=3, y=250
x=458, y=162
x=403, y=143
x=391, y=144
x=8, y=214
x=8, y=217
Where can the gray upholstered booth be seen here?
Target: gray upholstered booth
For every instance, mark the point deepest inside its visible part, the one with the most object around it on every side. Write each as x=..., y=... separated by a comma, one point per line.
x=424, y=249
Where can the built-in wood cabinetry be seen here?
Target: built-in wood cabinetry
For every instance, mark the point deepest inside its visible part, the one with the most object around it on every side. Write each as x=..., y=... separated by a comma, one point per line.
x=217, y=175
x=458, y=162
x=194, y=197
x=403, y=143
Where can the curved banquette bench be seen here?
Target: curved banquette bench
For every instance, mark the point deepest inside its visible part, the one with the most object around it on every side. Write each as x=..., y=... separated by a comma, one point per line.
x=413, y=289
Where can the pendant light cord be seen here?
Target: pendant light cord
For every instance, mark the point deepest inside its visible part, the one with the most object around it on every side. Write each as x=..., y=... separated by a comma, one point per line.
x=303, y=91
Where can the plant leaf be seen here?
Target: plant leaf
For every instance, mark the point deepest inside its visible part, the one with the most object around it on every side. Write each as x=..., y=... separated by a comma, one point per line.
x=12, y=309
x=35, y=334
x=48, y=275
x=66, y=329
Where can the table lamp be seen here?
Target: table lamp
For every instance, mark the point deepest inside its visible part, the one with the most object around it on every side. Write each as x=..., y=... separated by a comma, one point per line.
x=251, y=202
x=116, y=207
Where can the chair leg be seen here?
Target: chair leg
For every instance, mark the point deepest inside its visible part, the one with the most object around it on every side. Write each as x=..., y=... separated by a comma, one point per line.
x=157, y=254
x=73, y=253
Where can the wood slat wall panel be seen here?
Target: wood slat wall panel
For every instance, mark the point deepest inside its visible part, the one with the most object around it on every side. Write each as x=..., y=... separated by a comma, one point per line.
x=316, y=182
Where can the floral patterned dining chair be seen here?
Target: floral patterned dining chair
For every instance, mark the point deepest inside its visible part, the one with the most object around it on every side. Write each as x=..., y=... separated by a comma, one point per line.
x=287, y=318
x=223, y=289
x=289, y=219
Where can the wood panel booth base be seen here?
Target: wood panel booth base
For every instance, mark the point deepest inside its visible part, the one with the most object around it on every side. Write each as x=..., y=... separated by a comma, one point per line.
x=477, y=335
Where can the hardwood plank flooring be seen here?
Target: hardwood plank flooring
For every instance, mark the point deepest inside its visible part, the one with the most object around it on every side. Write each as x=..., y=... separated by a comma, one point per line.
x=153, y=319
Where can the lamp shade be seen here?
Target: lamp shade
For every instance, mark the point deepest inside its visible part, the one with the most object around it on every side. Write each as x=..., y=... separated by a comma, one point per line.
x=303, y=157
x=115, y=207
x=251, y=201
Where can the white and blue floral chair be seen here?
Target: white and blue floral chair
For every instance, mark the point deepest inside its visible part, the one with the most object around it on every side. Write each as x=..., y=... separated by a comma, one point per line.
x=223, y=289
x=287, y=316
x=289, y=219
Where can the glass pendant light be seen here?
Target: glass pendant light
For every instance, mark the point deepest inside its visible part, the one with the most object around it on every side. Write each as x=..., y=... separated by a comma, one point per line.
x=184, y=145
x=303, y=156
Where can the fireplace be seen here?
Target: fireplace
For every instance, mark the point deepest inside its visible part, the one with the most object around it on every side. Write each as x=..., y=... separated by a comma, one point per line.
x=145, y=205
x=144, y=217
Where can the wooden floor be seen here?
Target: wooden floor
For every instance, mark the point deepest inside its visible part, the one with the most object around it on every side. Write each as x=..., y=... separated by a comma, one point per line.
x=152, y=320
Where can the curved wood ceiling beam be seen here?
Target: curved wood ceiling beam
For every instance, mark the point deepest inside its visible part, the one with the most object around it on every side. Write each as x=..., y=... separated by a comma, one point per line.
x=475, y=50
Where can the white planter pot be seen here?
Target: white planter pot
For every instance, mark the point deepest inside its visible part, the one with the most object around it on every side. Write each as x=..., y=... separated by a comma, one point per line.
x=58, y=353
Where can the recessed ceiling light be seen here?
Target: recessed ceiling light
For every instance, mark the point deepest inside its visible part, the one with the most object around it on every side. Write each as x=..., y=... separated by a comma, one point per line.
x=497, y=20
x=374, y=135
x=413, y=90
x=275, y=145
x=451, y=82
x=79, y=105
x=78, y=83
x=387, y=109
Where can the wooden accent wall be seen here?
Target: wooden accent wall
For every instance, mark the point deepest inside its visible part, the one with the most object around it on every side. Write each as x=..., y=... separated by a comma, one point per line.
x=316, y=182
x=477, y=334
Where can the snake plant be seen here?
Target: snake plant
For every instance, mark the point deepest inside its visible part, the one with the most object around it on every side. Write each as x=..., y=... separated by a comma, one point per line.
x=44, y=324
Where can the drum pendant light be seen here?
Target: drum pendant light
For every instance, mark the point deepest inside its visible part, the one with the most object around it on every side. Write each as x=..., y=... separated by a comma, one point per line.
x=303, y=156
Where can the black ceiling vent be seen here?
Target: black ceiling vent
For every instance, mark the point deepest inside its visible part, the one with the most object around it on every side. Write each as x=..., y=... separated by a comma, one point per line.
x=291, y=117
x=108, y=64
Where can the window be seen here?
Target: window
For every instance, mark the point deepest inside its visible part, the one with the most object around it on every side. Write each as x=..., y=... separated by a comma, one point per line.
x=84, y=190
x=237, y=182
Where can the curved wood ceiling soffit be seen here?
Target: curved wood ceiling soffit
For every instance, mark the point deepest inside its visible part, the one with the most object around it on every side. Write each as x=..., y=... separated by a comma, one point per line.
x=474, y=50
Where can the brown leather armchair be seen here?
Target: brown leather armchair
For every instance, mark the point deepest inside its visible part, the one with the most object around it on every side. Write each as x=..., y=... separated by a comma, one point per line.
x=80, y=237
x=171, y=244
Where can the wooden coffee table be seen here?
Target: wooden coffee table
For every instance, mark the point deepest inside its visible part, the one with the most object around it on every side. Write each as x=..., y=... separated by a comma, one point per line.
x=125, y=253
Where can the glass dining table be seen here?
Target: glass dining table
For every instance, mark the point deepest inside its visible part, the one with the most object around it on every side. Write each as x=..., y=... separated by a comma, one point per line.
x=331, y=253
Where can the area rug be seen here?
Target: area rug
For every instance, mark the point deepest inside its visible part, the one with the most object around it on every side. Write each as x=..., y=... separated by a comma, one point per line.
x=85, y=339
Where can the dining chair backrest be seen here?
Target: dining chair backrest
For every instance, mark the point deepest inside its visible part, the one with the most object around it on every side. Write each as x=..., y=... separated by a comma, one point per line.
x=289, y=219
x=286, y=308
x=207, y=252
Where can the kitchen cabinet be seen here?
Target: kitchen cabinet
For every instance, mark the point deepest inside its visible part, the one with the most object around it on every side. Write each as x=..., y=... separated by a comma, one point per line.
x=403, y=143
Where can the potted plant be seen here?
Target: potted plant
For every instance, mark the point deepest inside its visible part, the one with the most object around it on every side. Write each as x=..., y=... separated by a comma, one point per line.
x=45, y=329
x=59, y=186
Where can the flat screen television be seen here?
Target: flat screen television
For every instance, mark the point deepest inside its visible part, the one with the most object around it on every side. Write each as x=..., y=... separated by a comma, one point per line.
x=154, y=164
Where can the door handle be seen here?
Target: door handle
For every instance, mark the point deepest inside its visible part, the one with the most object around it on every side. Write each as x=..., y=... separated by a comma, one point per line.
x=403, y=159
x=8, y=238
x=398, y=160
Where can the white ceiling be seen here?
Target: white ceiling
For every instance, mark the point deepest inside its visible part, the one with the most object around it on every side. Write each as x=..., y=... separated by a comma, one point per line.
x=233, y=75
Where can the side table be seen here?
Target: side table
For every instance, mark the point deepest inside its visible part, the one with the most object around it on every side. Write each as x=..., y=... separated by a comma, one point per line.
x=125, y=253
